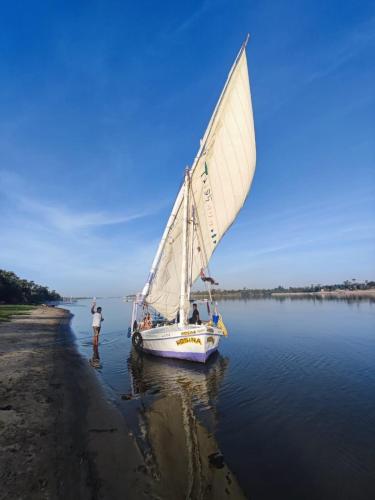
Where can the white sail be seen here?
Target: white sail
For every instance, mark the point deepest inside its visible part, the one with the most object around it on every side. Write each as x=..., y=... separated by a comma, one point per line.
x=220, y=180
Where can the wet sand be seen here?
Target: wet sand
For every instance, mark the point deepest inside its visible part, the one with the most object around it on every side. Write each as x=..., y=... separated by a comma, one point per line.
x=60, y=437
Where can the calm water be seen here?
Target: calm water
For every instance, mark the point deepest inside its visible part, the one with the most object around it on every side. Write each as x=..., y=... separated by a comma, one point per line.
x=289, y=400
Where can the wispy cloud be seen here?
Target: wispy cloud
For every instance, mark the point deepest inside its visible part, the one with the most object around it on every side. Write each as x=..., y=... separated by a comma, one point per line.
x=341, y=235
x=299, y=258
x=332, y=211
x=318, y=61
x=45, y=241
x=344, y=49
x=316, y=233
x=13, y=188
x=193, y=18
x=65, y=220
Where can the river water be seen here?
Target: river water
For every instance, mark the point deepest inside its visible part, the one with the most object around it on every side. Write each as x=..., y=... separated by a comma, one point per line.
x=286, y=409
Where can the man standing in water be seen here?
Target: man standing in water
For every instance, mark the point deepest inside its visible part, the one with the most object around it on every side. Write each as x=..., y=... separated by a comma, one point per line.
x=97, y=319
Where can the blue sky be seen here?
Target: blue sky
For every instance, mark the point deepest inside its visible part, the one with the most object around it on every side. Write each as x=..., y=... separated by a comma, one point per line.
x=103, y=104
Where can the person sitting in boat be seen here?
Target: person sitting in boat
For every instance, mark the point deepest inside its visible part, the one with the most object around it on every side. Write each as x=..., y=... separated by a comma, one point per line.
x=195, y=319
x=146, y=324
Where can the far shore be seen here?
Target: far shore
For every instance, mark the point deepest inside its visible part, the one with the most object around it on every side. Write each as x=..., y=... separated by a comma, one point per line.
x=335, y=293
x=264, y=294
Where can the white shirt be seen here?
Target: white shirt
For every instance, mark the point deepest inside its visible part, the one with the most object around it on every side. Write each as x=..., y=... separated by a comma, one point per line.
x=96, y=319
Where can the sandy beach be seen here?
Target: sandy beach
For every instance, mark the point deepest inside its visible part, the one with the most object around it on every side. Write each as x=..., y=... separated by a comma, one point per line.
x=59, y=436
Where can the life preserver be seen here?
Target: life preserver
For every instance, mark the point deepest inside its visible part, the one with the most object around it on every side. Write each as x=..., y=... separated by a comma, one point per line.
x=137, y=340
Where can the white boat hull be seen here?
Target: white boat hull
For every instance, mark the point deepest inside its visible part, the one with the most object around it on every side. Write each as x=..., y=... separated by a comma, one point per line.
x=193, y=342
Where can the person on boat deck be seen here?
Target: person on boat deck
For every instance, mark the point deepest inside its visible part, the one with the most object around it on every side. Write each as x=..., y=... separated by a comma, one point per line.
x=147, y=322
x=97, y=319
x=195, y=319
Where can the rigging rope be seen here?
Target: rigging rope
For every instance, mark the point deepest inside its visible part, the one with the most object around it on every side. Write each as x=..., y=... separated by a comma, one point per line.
x=202, y=247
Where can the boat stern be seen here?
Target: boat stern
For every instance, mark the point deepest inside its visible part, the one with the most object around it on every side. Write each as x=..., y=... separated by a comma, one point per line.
x=195, y=343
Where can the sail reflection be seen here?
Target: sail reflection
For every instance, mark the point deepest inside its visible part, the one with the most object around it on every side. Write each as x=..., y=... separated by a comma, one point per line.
x=176, y=426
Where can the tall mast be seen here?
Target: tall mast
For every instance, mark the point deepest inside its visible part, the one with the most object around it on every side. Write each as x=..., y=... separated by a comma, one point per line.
x=184, y=266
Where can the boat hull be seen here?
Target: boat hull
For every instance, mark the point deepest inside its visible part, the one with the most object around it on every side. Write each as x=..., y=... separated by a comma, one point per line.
x=193, y=343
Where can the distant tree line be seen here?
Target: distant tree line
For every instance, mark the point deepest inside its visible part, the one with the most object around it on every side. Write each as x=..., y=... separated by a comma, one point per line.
x=14, y=290
x=245, y=292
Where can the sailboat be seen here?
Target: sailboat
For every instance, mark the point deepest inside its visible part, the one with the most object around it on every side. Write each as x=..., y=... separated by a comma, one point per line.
x=213, y=192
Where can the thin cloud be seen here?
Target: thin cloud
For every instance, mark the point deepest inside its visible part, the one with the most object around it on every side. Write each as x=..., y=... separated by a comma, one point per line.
x=309, y=212
x=193, y=18
x=12, y=187
x=66, y=220
x=297, y=246
x=348, y=47
x=74, y=261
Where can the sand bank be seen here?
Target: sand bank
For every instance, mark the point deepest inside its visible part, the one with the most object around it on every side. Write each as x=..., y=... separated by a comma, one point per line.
x=59, y=436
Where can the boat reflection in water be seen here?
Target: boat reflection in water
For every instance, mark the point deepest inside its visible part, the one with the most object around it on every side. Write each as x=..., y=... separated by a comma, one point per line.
x=177, y=418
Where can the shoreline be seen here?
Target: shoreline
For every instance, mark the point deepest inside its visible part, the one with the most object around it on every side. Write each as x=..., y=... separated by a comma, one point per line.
x=60, y=437
x=336, y=293
x=267, y=295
